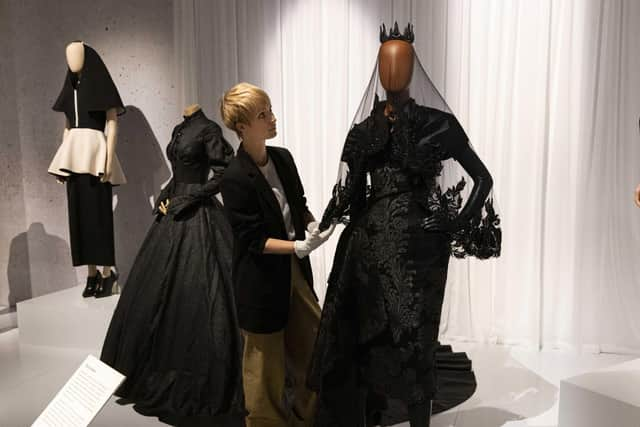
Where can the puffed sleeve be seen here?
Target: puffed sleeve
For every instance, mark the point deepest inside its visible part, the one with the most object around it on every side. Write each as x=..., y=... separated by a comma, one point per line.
x=219, y=151
x=218, y=154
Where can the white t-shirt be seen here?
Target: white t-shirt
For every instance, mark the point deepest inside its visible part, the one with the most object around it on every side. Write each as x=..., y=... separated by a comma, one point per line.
x=271, y=175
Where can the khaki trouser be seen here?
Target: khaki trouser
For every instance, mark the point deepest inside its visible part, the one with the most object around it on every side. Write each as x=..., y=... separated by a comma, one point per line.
x=274, y=366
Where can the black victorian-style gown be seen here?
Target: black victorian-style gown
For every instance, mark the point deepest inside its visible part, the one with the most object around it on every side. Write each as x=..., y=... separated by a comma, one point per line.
x=378, y=337
x=174, y=333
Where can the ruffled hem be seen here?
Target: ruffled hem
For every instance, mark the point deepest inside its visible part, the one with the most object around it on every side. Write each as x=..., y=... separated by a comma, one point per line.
x=480, y=236
x=84, y=151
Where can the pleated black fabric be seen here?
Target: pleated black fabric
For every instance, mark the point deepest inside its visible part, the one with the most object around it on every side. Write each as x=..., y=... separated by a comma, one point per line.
x=174, y=333
x=90, y=220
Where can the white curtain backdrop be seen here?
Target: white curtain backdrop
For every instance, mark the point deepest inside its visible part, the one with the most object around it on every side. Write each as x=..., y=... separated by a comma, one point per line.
x=549, y=93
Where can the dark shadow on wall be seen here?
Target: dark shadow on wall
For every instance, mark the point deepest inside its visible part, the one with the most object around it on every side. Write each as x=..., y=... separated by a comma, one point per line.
x=144, y=165
x=18, y=270
x=31, y=272
x=13, y=214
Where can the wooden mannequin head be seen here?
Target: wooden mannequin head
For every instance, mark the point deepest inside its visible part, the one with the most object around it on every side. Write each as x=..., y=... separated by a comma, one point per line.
x=395, y=65
x=191, y=110
x=75, y=56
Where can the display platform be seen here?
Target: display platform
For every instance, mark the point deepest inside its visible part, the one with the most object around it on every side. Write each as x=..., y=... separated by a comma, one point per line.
x=607, y=397
x=8, y=318
x=65, y=320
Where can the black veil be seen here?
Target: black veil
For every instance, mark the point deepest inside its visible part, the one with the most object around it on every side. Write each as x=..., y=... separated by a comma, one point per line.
x=98, y=92
x=479, y=236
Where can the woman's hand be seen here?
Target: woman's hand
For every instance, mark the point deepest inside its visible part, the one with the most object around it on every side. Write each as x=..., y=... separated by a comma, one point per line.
x=316, y=238
x=637, y=199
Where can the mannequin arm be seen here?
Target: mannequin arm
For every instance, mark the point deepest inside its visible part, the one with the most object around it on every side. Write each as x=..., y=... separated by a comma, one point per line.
x=65, y=132
x=112, y=137
x=482, y=182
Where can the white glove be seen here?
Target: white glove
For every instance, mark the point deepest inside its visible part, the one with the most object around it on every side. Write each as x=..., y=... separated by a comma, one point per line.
x=324, y=235
x=314, y=224
x=303, y=248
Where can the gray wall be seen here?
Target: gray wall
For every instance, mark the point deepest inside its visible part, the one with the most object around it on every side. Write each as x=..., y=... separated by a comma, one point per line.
x=135, y=39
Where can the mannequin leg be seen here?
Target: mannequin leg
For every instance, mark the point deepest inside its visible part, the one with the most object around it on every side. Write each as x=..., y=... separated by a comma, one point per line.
x=106, y=271
x=420, y=414
x=91, y=270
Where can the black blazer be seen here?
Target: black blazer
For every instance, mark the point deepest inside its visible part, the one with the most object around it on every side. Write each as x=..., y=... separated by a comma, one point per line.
x=262, y=282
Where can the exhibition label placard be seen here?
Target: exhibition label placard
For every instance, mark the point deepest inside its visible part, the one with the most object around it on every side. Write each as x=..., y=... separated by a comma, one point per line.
x=82, y=397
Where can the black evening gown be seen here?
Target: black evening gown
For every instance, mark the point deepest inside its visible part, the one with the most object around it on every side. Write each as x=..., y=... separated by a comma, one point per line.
x=378, y=337
x=174, y=333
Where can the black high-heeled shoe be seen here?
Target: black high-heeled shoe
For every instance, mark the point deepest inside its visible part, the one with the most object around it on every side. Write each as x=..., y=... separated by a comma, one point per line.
x=108, y=286
x=92, y=284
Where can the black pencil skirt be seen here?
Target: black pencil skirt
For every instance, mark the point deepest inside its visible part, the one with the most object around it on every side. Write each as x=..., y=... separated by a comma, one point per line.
x=90, y=220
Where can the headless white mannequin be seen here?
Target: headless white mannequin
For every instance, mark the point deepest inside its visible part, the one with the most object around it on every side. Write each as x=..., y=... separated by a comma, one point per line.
x=75, y=61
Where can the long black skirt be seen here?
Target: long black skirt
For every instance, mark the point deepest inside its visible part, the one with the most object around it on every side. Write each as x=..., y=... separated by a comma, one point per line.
x=174, y=333
x=90, y=220
x=377, y=351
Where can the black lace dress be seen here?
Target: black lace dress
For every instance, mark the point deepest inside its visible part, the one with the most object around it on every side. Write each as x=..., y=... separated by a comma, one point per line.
x=378, y=337
x=174, y=333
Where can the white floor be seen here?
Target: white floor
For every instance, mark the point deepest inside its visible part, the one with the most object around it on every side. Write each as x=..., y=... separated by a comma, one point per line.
x=515, y=388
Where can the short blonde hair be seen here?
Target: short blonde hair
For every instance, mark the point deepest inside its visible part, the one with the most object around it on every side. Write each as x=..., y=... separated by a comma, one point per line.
x=240, y=103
